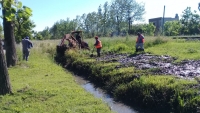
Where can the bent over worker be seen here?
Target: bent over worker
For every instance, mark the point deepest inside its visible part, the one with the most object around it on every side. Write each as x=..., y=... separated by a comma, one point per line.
x=98, y=46
x=140, y=42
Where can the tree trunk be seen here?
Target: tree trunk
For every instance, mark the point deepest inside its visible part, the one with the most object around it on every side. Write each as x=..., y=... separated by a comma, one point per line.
x=10, y=45
x=5, y=86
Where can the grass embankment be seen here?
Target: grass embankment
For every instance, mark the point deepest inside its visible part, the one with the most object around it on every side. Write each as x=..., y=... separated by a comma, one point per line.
x=41, y=86
x=139, y=87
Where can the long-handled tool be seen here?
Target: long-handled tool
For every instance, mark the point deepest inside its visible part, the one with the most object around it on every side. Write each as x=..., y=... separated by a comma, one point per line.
x=91, y=55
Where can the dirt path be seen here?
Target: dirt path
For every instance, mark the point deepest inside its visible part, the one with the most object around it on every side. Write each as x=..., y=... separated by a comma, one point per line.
x=157, y=64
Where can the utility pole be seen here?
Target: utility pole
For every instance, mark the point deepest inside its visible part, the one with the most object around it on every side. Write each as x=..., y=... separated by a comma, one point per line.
x=129, y=22
x=87, y=29
x=117, y=25
x=163, y=21
x=97, y=28
x=104, y=23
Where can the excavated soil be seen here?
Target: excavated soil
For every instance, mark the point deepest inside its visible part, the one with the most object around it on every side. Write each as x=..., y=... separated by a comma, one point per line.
x=156, y=64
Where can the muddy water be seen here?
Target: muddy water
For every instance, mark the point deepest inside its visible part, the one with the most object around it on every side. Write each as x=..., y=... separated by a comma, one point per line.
x=99, y=93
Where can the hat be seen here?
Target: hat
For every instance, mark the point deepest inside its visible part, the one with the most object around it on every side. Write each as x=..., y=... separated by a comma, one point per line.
x=27, y=37
x=96, y=37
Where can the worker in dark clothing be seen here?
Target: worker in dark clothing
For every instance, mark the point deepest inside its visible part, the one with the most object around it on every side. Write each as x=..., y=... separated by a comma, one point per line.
x=78, y=38
x=140, y=42
x=98, y=46
x=26, y=46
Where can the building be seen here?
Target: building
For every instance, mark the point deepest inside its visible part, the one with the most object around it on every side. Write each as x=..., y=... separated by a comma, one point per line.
x=158, y=22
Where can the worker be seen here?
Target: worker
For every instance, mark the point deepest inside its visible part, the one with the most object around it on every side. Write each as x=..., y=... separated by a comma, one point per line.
x=26, y=46
x=140, y=42
x=98, y=46
x=78, y=38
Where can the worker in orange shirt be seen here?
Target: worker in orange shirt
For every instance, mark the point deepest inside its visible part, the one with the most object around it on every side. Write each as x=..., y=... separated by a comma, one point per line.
x=98, y=46
x=140, y=42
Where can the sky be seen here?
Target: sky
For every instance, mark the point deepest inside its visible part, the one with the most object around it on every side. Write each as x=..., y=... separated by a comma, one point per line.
x=47, y=12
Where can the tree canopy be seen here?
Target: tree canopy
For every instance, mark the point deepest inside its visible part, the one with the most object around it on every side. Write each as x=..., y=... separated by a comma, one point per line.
x=108, y=19
x=189, y=24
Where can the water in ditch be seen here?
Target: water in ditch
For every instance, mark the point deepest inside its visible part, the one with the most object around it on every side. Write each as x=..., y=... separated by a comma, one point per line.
x=99, y=93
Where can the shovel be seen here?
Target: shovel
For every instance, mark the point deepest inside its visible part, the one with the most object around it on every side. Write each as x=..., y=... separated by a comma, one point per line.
x=91, y=55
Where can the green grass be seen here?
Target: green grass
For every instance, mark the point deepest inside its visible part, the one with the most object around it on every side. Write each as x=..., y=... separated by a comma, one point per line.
x=41, y=86
x=125, y=44
x=180, y=50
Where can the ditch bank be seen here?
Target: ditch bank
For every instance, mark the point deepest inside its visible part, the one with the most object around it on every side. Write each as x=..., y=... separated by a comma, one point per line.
x=139, y=80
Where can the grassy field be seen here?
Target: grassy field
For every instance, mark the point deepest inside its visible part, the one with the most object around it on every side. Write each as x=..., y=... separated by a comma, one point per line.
x=42, y=86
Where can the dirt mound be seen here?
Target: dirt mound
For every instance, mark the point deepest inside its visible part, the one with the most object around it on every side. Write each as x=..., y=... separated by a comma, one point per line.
x=157, y=64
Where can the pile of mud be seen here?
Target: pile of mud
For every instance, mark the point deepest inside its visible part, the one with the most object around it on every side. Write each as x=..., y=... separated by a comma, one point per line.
x=156, y=64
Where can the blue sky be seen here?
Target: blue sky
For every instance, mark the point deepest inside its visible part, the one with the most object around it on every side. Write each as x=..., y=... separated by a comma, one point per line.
x=47, y=12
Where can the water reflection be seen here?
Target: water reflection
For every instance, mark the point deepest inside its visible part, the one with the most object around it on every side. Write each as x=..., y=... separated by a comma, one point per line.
x=97, y=92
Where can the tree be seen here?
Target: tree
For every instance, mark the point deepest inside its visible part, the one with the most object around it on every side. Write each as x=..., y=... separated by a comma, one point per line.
x=62, y=27
x=126, y=10
x=105, y=18
x=108, y=19
x=83, y=25
x=8, y=11
x=46, y=33
x=147, y=29
x=190, y=22
x=55, y=31
x=150, y=29
x=8, y=15
x=91, y=22
x=23, y=24
x=172, y=28
x=5, y=86
x=8, y=25
x=38, y=36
